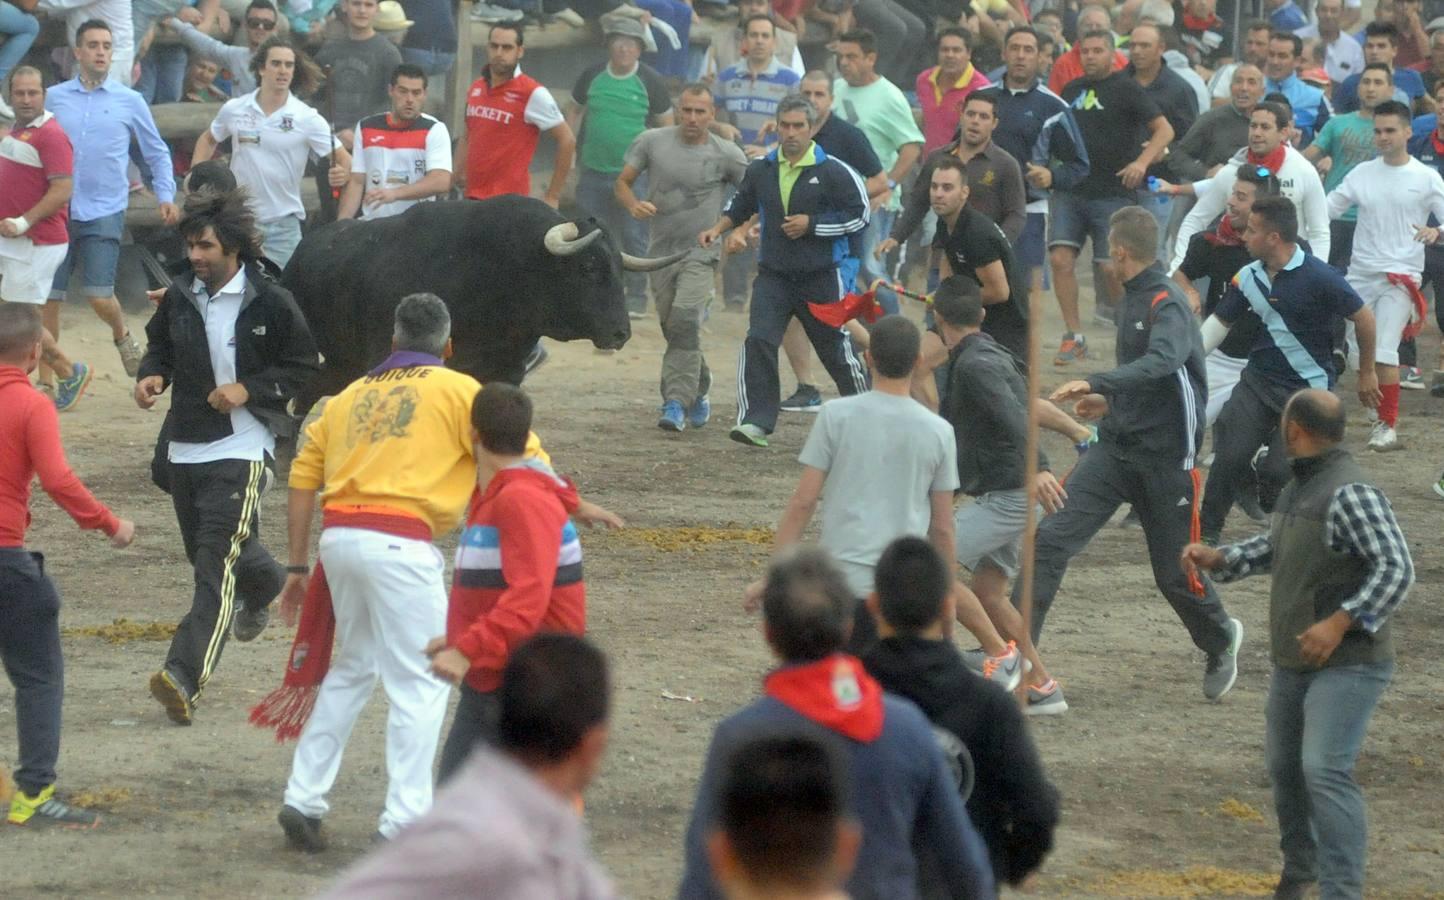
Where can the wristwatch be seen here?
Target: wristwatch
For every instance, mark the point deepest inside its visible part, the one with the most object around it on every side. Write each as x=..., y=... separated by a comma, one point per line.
x=298, y=570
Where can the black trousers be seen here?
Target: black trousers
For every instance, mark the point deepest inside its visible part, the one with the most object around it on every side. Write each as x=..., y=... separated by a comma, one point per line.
x=1166, y=500
x=776, y=298
x=474, y=723
x=218, y=506
x=30, y=650
x=1248, y=421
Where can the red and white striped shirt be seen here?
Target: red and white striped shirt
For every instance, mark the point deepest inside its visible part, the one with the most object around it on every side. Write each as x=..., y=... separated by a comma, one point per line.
x=393, y=153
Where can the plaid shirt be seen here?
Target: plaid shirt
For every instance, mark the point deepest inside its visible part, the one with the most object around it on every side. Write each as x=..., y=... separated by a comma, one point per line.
x=1362, y=524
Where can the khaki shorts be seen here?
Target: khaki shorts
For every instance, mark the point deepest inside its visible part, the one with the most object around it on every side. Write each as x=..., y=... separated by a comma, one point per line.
x=27, y=269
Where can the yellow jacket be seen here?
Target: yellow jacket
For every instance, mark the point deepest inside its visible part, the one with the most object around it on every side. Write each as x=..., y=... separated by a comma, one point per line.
x=399, y=439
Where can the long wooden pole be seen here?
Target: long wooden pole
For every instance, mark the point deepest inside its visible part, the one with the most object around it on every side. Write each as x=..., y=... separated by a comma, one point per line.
x=1030, y=476
x=461, y=76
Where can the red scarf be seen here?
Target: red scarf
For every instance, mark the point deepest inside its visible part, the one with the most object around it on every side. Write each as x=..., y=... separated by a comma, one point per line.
x=838, y=313
x=835, y=692
x=1193, y=23
x=1435, y=140
x=1273, y=161
x=1416, y=296
x=287, y=708
x=1225, y=235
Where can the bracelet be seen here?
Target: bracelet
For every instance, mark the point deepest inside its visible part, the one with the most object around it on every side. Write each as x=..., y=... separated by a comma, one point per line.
x=298, y=570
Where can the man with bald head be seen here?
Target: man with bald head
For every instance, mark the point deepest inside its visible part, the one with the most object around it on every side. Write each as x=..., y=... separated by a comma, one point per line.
x=1340, y=567
x=1222, y=131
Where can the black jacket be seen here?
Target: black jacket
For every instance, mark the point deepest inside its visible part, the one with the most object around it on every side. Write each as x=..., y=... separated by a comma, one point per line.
x=986, y=402
x=828, y=191
x=275, y=357
x=1157, y=394
x=1013, y=805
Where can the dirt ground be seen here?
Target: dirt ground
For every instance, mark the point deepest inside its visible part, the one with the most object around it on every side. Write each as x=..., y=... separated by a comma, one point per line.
x=1165, y=794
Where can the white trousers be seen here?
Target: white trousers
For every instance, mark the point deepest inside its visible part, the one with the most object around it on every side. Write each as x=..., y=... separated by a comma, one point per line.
x=390, y=600
x=1392, y=309
x=1223, y=373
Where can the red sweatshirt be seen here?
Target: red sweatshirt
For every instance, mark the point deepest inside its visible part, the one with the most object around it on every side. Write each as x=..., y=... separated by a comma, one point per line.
x=30, y=446
x=518, y=569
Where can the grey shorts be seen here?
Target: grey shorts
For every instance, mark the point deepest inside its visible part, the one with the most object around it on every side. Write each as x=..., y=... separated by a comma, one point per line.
x=990, y=530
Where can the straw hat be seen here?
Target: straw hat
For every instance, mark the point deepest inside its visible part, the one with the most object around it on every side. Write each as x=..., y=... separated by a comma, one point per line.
x=391, y=17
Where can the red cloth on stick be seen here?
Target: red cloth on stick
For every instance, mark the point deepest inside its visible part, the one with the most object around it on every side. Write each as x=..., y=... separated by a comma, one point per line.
x=1416, y=296
x=286, y=709
x=853, y=306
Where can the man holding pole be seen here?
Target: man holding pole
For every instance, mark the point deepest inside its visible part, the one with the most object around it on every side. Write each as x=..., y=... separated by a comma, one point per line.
x=1151, y=407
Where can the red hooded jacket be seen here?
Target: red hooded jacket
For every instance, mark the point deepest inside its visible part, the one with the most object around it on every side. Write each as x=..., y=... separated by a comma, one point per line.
x=518, y=569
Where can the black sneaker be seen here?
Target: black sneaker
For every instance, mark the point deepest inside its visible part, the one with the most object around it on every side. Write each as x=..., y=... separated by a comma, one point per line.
x=1292, y=888
x=1248, y=502
x=805, y=399
x=44, y=811
x=1222, y=669
x=249, y=623
x=168, y=690
x=302, y=831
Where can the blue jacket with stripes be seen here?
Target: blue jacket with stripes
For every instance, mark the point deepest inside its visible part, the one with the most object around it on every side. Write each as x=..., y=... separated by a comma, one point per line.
x=1157, y=394
x=829, y=192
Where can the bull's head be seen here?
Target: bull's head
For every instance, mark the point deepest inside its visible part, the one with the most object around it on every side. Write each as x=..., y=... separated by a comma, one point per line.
x=597, y=265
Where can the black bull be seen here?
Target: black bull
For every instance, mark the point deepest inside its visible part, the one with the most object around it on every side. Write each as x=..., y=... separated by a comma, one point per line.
x=511, y=271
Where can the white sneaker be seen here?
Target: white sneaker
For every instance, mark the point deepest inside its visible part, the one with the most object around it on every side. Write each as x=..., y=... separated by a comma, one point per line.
x=1384, y=439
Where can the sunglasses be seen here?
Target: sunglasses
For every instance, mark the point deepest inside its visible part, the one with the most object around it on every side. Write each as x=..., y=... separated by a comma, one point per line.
x=263, y=24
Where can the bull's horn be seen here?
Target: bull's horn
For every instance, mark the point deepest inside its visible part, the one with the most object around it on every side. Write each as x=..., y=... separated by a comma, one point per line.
x=650, y=264
x=562, y=240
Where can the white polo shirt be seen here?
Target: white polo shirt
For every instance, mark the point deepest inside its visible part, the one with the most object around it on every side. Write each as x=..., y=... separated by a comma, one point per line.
x=269, y=153
x=250, y=439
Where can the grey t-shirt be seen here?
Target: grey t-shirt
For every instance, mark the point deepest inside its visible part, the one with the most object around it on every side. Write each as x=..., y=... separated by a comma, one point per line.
x=360, y=72
x=687, y=183
x=883, y=455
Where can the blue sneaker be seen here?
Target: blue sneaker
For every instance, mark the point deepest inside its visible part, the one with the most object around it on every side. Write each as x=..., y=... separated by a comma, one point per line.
x=700, y=412
x=69, y=390
x=1083, y=445
x=672, y=419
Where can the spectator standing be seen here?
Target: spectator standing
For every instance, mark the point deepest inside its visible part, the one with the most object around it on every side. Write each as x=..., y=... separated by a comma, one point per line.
x=1285, y=15
x=1292, y=350
x=903, y=796
x=36, y=166
x=430, y=42
x=116, y=14
x=1174, y=98
x=1346, y=141
x=1343, y=56
x=1381, y=45
x=273, y=134
x=1340, y=568
x=782, y=823
x=259, y=24
x=1310, y=106
x=728, y=44
x=30, y=630
x=1254, y=50
x=805, y=223
x=101, y=118
x=401, y=157
x=1413, y=40
x=1394, y=193
x=1024, y=105
x=518, y=569
x=1220, y=132
x=898, y=35
x=689, y=170
x=1207, y=39
x=615, y=101
x=879, y=109
x=1009, y=800
x=1149, y=438
x=19, y=29
x=1431, y=71
x=1069, y=66
x=1116, y=117
x=508, y=820
x=358, y=66
x=235, y=349
x=506, y=113
x=942, y=88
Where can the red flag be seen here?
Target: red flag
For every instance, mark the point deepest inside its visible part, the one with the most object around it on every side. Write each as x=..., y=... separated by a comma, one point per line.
x=853, y=306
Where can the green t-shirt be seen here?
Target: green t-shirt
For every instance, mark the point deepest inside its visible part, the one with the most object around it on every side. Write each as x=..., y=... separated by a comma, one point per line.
x=883, y=114
x=617, y=111
x=1349, y=140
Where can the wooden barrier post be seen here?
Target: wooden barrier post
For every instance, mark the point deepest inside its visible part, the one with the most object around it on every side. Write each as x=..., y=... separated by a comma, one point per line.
x=461, y=76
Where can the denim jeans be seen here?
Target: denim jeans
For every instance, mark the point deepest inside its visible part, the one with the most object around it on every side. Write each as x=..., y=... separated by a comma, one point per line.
x=878, y=228
x=669, y=60
x=163, y=74
x=432, y=62
x=595, y=196
x=279, y=238
x=1316, y=725
x=20, y=30
x=30, y=650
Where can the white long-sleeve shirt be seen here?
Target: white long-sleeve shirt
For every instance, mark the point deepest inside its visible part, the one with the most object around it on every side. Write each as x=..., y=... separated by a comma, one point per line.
x=1392, y=202
x=1298, y=181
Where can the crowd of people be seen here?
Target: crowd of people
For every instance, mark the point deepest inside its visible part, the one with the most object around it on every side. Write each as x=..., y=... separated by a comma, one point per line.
x=1263, y=204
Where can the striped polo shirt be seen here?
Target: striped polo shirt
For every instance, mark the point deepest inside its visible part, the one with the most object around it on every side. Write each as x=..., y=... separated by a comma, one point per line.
x=751, y=100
